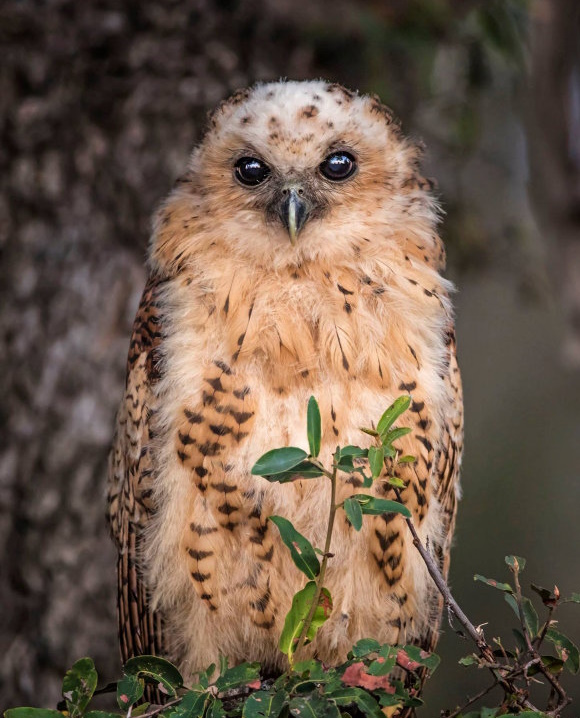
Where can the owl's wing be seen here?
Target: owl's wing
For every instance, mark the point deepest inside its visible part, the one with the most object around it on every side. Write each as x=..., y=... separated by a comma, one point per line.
x=447, y=481
x=446, y=488
x=130, y=481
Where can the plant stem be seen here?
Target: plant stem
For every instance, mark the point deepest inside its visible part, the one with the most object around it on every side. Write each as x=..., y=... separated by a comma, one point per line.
x=476, y=635
x=157, y=709
x=563, y=698
x=473, y=700
x=326, y=556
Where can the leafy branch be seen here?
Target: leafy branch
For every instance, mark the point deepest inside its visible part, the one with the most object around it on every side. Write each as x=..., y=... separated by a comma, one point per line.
x=312, y=605
x=369, y=682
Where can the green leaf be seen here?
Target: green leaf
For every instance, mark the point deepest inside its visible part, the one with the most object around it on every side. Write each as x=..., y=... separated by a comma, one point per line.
x=137, y=710
x=129, y=691
x=358, y=697
x=78, y=686
x=407, y=459
x=376, y=507
x=484, y=713
x=530, y=616
x=313, y=669
x=516, y=563
x=278, y=461
x=108, y=714
x=297, y=614
x=398, y=407
x=493, y=583
x=381, y=666
x=417, y=655
x=32, y=713
x=313, y=426
x=376, y=460
x=353, y=512
x=301, y=549
x=192, y=705
x=238, y=676
x=520, y=640
x=263, y=704
x=204, y=678
x=355, y=451
x=216, y=710
x=554, y=665
x=396, y=482
x=574, y=598
x=548, y=597
x=365, y=646
x=565, y=649
x=370, y=432
x=304, y=470
x=470, y=660
x=390, y=453
x=313, y=706
x=155, y=670
x=395, y=434
x=345, y=464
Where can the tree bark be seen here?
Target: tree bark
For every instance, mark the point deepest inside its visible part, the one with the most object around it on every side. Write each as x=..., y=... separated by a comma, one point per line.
x=554, y=150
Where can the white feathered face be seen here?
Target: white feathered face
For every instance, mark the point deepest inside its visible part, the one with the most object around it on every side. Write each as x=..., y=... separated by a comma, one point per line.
x=290, y=172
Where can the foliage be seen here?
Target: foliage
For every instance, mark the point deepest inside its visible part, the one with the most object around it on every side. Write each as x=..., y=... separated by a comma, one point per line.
x=376, y=679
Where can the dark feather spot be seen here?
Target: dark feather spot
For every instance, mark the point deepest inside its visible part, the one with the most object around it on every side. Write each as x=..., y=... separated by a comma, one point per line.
x=199, y=555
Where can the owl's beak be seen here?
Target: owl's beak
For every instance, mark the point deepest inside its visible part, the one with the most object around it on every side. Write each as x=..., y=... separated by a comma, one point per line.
x=294, y=211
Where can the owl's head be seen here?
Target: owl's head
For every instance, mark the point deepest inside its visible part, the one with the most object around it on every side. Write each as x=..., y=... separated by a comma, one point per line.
x=292, y=172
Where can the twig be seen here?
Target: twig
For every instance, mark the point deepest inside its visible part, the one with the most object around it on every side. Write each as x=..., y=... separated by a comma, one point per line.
x=563, y=698
x=476, y=636
x=326, y=556
x=473, y=700
x=441, y=584
x=540, y=639
x=157, y=709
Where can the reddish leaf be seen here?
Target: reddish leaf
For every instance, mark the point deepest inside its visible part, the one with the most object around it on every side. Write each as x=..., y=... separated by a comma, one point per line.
x=355, y=675
x=405, y=662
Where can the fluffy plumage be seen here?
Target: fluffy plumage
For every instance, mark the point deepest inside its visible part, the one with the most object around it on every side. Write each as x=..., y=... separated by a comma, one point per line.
x=238, y=326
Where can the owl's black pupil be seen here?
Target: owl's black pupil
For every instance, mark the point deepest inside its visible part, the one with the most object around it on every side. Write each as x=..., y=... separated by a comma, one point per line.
x=251, y=171
x=338, y=166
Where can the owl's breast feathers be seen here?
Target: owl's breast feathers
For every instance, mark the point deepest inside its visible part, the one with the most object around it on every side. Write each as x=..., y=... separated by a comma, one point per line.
x=220, y=372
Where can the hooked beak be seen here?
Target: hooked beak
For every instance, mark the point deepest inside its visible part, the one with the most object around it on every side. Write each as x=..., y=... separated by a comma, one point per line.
x=293, y=211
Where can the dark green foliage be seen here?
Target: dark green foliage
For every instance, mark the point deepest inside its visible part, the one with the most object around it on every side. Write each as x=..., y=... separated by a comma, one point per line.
x=298, y=614
x=314, y=429
x=279, y=461
x=156, y=670
x=300, y=547
x=78, y=686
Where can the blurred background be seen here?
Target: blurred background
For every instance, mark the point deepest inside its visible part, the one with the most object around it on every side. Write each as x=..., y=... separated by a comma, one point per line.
x=101, y=102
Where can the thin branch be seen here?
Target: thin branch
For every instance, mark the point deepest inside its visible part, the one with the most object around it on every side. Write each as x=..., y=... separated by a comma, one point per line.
x=326, y=556
x=563, y=698
x=476, y=635
x=540, y=639
x=473, y=700
x=157, y=709
x=441, y=584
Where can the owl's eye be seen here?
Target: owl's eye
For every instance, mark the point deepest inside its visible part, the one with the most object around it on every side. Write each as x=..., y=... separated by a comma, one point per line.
x=251, y=171
x=338, y=166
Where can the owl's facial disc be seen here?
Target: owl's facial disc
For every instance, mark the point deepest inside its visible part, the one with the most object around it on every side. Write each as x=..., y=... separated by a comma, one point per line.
x=294, y=197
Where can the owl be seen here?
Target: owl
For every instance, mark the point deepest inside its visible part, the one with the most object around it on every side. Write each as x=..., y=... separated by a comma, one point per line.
x=298, y=256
